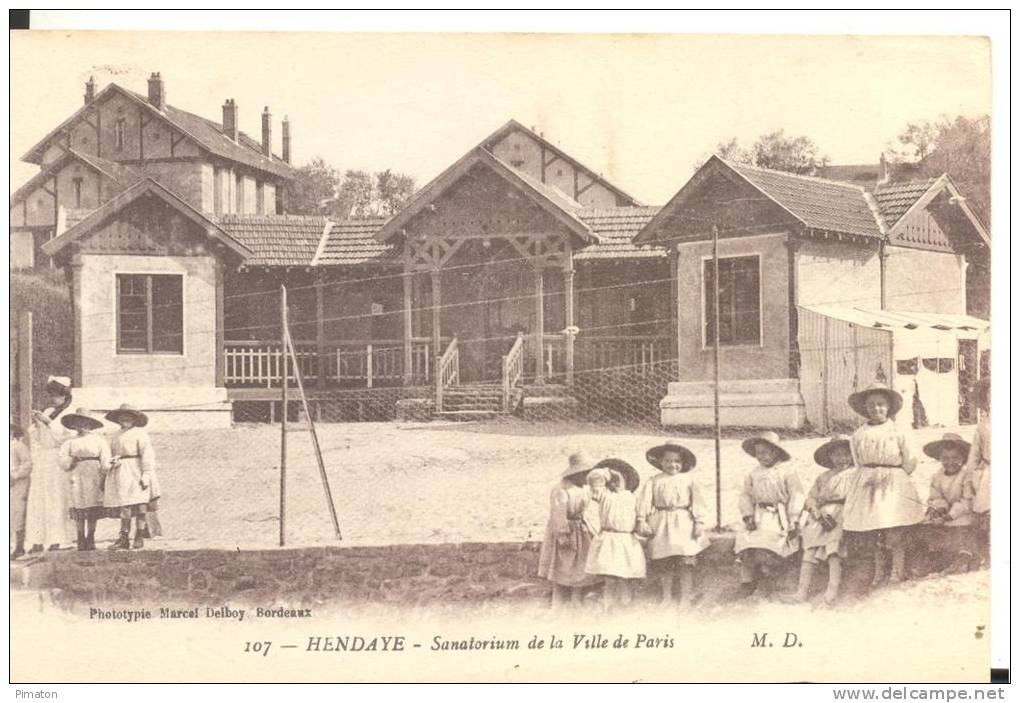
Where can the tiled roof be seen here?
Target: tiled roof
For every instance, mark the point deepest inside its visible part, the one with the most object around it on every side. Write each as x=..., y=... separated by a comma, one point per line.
x=817, y=203
x=353, y=242
x=615, y=228
x=894, y=199
x=276, y=240
x=297, y=240
x=211, y=137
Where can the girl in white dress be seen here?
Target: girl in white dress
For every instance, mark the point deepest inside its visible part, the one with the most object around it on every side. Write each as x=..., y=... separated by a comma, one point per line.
x=86, y=459
x=770, y=499
x=567, y=536
x=881, y=499
x=131, y=486
x=821, y=522
x=671, y=514
x=616, y=552
x=21, y=477
x=49, y=494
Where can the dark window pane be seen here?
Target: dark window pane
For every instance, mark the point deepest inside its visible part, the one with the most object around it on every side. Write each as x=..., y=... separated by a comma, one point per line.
x=133, y=317
x=739, y=301
x=167, y=314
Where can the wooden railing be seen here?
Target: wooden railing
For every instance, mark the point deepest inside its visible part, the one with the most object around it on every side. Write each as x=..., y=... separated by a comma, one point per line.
x=349, y=362
x=640, y=352
x=447, y=371
x=258, y=363
x=513, y=369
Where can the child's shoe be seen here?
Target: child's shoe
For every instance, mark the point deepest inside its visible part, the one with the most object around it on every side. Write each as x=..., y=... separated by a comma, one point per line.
x=139, y=541
x=36, y=548
x=18, y=552
x=121, y=543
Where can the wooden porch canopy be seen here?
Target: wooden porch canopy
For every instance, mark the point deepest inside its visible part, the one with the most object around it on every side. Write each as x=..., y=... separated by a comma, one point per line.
x=430, y=237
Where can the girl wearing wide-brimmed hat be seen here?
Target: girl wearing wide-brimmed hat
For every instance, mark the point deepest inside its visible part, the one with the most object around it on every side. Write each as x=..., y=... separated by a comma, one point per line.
x=979, y=464
x=671, y=514
x=21, y=477
x=567, y=536
x=881, y=499
x=949, y=515
x=616, y=553
x=49, y=494
x=131, y=486
x=86, y=458
x=821, y=521
x=770, y=499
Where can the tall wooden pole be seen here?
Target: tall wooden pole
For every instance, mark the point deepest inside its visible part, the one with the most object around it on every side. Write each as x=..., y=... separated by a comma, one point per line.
x=283, y=412
x=715, y=364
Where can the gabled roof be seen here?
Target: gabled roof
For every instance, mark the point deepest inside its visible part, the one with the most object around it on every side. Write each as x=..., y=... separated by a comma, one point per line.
x=894, y=199
x=815, y=203
x=205, y=133
x=818, y=204
x=897, y=200
x=145, y=187
x=515, y=126
x=316, y=241
x=546, y=198
x=120, y=174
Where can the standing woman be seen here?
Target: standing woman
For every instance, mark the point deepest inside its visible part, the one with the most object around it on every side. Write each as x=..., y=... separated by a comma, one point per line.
x=881, y=499
x=49, y=493
x=131, y=484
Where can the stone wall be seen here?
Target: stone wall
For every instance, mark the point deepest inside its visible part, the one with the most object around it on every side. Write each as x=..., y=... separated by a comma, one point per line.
x=408, y=575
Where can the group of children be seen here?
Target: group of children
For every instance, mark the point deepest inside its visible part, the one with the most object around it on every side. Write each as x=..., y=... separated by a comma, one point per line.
x=72, y=473
x=600, y=530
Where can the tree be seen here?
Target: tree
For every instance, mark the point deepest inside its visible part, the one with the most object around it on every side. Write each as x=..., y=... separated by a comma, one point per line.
x=393, y=190
x=318, y=189
x=356, y=195
x=314, y=185
x=961, y=147
x=776, y=150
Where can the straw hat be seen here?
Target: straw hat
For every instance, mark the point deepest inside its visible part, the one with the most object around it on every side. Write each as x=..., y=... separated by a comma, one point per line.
x=80, y=419
x=687, y=458
x=631, y=478
x=823, y=455
x=125, y=410
x=580, y=464
x=769, y=438
x=58, y=384
x=856, y=400
x=949, y=439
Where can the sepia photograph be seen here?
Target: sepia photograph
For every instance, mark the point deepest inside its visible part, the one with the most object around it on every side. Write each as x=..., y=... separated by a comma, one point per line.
x=502, y=356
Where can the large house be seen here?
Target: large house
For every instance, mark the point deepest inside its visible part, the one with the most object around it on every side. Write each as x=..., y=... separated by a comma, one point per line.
x=119, y=137
x=516, y=278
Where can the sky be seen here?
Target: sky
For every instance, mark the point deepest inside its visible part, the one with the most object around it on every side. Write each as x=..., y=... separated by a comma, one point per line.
x=643, y=110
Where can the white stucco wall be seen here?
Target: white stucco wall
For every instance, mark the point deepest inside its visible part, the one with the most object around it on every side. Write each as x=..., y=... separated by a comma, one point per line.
x=101, y=365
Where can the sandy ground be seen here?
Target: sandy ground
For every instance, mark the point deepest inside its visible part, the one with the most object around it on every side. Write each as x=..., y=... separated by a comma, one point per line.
x=396, y=483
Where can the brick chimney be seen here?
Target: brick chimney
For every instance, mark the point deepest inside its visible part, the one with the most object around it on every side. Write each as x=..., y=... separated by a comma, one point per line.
x=157, y=91
x=883, y=169
x=90, y=90
x=230, y=118
x=285, y=129
x=267, y=132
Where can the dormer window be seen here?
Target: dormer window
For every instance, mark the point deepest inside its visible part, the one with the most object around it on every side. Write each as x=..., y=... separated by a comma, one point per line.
x=118, y=133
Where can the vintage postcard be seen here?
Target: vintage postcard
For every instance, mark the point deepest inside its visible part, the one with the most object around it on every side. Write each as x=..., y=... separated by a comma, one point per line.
x=500, y=357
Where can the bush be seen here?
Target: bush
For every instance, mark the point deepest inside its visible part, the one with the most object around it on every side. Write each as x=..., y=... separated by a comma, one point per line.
x=46, y=294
